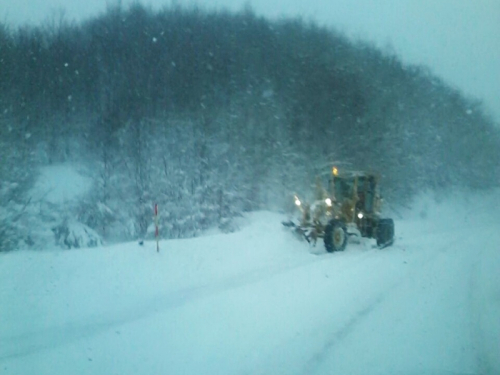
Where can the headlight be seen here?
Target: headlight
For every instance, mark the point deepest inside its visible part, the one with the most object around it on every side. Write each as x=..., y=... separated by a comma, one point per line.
x=360, y=215
x=297, y=201
x=328, y=202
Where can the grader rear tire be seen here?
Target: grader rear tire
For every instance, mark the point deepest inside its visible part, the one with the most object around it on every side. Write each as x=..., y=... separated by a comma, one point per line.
x=385, y=233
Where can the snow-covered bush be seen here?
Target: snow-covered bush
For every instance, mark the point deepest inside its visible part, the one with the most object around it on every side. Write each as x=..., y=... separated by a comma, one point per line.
x=8, y=233
x=72, y=234
x=14, y=207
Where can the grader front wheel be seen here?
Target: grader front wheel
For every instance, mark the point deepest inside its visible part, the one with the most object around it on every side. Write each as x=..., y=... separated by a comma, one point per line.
x=335, y=237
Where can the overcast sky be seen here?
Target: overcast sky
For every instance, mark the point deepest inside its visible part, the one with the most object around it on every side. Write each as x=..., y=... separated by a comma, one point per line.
x=458, y=39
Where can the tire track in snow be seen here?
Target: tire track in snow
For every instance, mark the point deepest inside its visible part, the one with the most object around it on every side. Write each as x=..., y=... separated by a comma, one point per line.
x=486, y=358
x=316, y=360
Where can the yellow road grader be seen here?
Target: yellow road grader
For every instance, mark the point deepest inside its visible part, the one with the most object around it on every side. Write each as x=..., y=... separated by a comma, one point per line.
x=349, y=205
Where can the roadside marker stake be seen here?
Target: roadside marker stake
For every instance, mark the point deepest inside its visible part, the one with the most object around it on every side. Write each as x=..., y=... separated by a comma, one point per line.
x=156, y=228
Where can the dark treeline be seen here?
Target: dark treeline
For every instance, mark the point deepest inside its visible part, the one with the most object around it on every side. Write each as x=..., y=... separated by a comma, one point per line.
x=213, y=114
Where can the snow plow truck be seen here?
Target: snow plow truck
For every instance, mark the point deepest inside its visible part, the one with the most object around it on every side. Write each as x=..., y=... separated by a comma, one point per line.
x=350, y=205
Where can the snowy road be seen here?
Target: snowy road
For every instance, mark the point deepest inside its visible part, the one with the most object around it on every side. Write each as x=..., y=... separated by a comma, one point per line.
x=260, y=302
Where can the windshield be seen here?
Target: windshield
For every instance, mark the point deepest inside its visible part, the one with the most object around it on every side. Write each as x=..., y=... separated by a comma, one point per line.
x=159, y=207
x=343, y=187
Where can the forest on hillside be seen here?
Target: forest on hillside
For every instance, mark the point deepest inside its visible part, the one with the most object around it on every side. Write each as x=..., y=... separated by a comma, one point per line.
x=211, y=114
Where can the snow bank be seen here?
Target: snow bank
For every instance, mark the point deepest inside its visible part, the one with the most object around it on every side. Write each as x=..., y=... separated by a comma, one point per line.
x=59, y=184
x=50, y=218
x=457, y=209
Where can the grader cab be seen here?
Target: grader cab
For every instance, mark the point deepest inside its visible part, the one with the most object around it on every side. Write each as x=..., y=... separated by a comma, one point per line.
x=350, y=204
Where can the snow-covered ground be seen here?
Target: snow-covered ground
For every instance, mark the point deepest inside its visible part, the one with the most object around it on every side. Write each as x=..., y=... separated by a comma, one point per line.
x=259, y=301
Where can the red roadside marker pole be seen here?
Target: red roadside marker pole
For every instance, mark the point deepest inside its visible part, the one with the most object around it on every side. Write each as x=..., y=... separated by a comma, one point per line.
x=156, y=228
